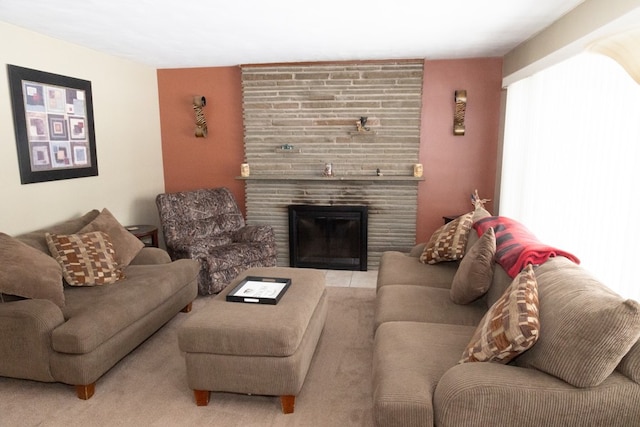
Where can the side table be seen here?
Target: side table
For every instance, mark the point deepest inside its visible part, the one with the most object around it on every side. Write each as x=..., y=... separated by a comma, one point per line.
x=147, y=233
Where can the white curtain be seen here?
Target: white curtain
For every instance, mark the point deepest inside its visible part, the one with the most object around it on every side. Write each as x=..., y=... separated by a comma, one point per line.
x=571, y=165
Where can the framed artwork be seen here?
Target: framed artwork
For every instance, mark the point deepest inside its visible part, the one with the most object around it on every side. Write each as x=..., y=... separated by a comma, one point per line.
x=53, y=121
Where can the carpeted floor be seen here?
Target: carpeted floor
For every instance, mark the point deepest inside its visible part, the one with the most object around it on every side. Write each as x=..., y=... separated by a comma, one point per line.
x=149, y=387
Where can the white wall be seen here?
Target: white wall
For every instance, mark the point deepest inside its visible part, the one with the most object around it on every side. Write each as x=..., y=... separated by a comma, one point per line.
x=570, y=35
x=127, y=129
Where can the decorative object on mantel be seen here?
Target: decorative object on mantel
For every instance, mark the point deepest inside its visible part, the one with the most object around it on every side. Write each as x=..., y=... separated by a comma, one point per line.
x=458, y=117
x=417, y=170
x=53, y=123
x=476, y=201
x=378, y=172
x=201, y=123
x=245, y=171
x=623, y=48
x=328, y=169
x=361, y=125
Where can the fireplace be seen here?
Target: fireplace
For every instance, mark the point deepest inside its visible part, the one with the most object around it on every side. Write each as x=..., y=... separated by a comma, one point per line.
x=331, y=237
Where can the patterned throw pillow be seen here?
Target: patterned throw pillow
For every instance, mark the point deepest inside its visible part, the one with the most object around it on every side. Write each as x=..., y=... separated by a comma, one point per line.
x=87, y=259
x=511, y=326
x=449, y=241
x=125, y=244
x=474, y=275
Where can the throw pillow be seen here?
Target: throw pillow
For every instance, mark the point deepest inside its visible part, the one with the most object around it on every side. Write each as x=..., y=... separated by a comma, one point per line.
x=125, y=244
x=86, y=259
x=586, y=329
x=473, y=277
x=448, y=242
x=29, y=273
x=511, y=326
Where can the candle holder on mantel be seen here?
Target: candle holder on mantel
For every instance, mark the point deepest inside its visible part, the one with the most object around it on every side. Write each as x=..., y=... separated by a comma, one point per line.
x=328, y=170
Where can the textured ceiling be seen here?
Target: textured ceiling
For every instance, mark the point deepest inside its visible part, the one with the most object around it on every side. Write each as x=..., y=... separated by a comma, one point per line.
x=203, y=33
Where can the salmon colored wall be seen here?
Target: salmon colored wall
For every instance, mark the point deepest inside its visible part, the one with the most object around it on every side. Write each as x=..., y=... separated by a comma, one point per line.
x=453, y=165
x=456, y=165
x=214, y=161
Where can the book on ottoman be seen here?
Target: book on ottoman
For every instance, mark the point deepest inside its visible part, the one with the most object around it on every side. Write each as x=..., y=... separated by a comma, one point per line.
x=259, y=290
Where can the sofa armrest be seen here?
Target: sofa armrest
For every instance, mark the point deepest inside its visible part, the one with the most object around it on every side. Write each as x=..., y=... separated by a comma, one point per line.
x=255, y=233
x=25, y=338
x=149, y=255
x=479, y=394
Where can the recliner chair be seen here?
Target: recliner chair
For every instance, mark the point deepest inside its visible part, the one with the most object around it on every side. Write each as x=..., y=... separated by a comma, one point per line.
x=207, y=225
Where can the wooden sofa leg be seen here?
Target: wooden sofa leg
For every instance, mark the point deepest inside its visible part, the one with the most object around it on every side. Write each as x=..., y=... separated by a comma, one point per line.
x=287, y=402
x=187, y=308
x=202, y=397
x=85, y=392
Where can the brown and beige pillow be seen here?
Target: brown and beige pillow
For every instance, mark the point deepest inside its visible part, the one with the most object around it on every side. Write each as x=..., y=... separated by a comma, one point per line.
x=125, y=244
x=511, y=326
x=86, y=259
x=29, y=273
x=448, y=242
x=474, y=275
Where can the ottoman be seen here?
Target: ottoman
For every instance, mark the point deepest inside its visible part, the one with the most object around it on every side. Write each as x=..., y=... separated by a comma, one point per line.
x=256, y=348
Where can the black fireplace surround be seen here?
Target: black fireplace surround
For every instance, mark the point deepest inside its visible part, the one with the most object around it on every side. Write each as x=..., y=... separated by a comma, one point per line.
x=329, y=237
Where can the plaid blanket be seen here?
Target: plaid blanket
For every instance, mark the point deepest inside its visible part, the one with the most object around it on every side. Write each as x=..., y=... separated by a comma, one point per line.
x=516, y=246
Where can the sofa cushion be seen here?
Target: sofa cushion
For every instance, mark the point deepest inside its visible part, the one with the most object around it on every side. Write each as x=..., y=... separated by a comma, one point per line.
x=424, y=304
x=409, y=358
x=37, y=240
x=511, y=326
x=86, y=259
x=397, y=268
x=473, y=278
x=29, y=273
x=586, y=329
x=95, y=314
x=124, y=243
x=448, y=242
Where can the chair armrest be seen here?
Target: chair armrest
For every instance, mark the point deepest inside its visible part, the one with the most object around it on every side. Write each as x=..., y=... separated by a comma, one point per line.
x=478, y=394
x=255, y=233
x=25, y=338
x=149, y=255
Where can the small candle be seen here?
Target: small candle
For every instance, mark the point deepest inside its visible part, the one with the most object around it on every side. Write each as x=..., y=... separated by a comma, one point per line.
x=245, y=170
x=417, y=170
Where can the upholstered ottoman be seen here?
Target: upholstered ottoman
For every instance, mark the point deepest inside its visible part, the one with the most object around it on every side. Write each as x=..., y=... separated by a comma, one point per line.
x=256, y=348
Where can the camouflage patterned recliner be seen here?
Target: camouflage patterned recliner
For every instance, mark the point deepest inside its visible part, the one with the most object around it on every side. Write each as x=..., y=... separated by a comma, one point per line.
x=207, y=225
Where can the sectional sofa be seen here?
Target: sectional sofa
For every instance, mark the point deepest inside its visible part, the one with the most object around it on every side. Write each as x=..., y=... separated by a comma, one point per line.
x=458, y=341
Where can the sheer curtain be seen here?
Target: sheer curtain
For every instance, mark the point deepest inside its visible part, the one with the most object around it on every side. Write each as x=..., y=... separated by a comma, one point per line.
x=571, y=164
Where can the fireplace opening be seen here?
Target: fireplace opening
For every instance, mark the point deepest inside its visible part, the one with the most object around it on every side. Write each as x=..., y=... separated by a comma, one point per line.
x=331, y=237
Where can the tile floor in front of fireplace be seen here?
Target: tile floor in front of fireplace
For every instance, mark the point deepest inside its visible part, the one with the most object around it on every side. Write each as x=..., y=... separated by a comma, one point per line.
x=351, y=279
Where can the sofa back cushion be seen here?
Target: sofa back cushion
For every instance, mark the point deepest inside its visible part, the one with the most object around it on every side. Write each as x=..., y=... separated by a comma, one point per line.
x=37, y=238
x=630, y=363
x=124, y=243
x=585, y=328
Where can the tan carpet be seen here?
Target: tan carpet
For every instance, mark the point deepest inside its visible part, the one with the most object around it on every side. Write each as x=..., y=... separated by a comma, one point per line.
x=149, y=387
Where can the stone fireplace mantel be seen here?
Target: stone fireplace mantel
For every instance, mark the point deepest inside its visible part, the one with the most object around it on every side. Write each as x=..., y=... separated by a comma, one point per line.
x=292, y=178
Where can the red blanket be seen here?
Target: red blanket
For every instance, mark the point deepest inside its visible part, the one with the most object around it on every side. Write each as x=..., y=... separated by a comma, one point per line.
x=516, y=246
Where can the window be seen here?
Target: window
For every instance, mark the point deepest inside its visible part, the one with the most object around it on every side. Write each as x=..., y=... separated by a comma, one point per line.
x=571, y=165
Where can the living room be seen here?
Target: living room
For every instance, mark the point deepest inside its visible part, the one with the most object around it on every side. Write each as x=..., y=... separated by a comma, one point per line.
x=144, y=124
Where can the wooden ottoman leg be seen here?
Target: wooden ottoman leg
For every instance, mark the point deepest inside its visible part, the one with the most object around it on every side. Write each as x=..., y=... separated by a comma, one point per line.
x=202, y=397
x=287, y=402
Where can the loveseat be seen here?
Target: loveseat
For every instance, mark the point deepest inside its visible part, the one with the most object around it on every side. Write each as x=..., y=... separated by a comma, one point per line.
x=574, y=359
x=123, y=292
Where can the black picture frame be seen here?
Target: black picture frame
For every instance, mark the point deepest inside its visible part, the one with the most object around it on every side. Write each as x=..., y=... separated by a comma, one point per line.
x=53, y=122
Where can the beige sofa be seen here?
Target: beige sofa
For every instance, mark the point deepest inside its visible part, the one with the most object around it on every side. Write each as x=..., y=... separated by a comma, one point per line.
x=582, y=370
x=74, y=334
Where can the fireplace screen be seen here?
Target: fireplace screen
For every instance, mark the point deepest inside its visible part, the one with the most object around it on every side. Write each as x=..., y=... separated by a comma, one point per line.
x=331, y=237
